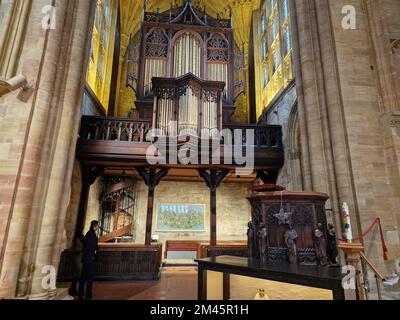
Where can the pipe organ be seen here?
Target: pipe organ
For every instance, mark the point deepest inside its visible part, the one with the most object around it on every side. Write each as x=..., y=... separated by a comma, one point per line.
x=176, y=43
x=187, y=105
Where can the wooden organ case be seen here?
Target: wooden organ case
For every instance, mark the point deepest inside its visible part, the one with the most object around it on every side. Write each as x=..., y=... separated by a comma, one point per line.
x=186, y=41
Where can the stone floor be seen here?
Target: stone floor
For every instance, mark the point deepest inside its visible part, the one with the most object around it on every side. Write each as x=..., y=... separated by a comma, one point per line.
x=177, y=283
x=180, y=283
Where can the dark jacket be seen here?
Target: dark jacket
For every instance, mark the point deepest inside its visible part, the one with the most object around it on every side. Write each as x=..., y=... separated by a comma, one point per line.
x=90, y=247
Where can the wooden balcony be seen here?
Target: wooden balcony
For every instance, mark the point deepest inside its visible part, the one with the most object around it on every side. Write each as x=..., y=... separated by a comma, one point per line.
x=118, y=142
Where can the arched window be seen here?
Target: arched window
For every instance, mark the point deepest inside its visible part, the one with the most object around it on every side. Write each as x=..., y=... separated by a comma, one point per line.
x=187, y=55
x=156, y=57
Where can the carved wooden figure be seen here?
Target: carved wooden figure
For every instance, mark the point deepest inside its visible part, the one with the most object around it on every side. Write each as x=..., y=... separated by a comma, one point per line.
x=320, y=245
x=262, y=239
x=290, y=240
x=250, y=239
x=332, y=245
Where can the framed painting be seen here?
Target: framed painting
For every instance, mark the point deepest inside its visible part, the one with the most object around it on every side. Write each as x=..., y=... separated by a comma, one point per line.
x=180, y=218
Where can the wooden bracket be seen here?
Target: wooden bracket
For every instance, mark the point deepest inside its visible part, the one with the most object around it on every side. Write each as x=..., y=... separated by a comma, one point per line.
x=152, y=179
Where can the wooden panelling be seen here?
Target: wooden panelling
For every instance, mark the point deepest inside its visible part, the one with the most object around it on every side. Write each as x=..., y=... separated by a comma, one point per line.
x=120, y=262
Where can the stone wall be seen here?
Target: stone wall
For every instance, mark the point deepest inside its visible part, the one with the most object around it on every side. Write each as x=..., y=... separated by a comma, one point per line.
x=284, y=113
x=93, y=208
x=346, y=83
x=233, y=209
x=38, y=138
x=72, y=211
x=358, y=72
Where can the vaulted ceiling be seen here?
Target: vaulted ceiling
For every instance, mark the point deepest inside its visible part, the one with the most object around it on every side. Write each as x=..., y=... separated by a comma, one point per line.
x=131, y=13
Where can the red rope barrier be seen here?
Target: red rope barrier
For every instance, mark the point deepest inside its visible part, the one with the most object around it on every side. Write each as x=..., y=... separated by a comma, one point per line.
x=362, y=236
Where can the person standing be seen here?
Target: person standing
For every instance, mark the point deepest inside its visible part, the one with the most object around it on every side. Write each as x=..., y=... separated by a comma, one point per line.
x=76, y=249
x=89, y=258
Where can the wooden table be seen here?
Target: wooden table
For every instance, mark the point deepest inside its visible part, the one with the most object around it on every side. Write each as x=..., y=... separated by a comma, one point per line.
x=310, y=276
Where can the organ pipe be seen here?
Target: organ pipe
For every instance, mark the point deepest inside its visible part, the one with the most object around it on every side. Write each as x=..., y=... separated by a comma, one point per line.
x=154, y=68
x=219, y=72
x=187, y=56
x=188, y=111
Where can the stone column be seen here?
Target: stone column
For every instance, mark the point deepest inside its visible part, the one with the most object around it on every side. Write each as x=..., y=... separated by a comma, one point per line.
x=38, y=62
x=59, y=183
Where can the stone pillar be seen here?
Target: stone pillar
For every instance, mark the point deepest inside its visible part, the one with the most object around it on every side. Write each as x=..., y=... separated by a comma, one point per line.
x=67, y=122
x=37, y=213
x=315, y=112
x=38, y=62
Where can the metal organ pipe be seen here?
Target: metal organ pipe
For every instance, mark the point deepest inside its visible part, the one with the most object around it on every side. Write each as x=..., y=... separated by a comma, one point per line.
x=210, y=116
x=219, y=72
x=154, y=68
x=188, y=111
x=166, y=115
x=187, y=56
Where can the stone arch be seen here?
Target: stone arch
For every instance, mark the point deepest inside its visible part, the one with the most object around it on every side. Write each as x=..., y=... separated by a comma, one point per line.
x=293, y=150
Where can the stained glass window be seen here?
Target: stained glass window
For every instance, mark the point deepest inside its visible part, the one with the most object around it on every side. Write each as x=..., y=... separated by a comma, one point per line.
x=102, y=49
x=275, y=47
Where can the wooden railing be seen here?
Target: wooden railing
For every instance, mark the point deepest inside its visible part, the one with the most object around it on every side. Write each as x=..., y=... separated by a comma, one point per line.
x=115, y=234
x=114, y=129
x=269, y=136
x=119, y=261
x=378, y=276
x=120, y=129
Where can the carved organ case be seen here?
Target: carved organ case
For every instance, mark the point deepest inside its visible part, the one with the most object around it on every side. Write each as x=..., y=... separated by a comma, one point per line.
x=187, y=49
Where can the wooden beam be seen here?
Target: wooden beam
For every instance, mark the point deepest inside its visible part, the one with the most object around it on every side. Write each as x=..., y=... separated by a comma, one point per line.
x=213, y=179
x=151, y=178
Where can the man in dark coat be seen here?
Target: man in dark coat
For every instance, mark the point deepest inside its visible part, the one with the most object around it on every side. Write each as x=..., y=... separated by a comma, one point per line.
x=89, y=258
x=76, y=261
